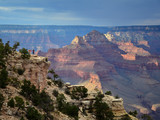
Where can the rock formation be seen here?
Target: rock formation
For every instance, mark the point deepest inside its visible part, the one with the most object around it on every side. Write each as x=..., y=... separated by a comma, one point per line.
x=101, y=63
x=34, y=69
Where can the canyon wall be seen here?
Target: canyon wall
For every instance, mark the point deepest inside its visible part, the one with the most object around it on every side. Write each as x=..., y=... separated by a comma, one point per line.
x=99, y=63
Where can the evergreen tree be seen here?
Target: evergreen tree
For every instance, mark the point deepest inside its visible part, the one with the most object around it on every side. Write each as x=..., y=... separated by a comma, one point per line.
x=33, y=114
x=19, y=103
x=5, y=51
x=11, y=103
x=102, y=110
x=1, y=100
x=24, y=53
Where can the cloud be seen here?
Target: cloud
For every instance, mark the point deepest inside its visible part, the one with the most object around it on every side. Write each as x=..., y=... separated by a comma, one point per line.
x=21, y=8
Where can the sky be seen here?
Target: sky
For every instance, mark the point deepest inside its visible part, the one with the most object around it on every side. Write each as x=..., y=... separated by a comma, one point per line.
x=80, y=12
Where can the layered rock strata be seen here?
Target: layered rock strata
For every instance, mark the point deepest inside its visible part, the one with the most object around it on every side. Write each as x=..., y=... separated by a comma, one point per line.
x=99, y=63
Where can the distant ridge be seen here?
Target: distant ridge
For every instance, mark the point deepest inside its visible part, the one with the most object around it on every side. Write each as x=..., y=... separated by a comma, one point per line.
x=44, y=37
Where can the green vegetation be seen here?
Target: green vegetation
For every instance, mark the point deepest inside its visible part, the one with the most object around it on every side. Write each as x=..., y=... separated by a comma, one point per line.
x=60, y=101
x=71, y=110
x=117, y=97
x=49, y=83
x=55, y=93
x=5, y=50
x=59, y=83
x=19, y=103
x=55, y=76
x=66, y=108
x=39, y=99
x=56, y=80
x=20, y=71
x=108, y=93
x=67, y=91
x=1, y=100
x=79, y=92
x=15, y=46
x=134, y=113
x=15, y=83
x=24, y=53
x=33, y=114
x=4, y=78
x=102, y=110
x=11, y=103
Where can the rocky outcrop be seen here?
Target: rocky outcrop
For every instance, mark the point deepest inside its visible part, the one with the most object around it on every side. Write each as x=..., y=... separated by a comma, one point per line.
x=156, y=107
x=34, y=69
x=116, y=105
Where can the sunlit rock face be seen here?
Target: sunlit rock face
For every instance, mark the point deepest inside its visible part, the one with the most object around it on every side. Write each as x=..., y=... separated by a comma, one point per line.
x=124, y=68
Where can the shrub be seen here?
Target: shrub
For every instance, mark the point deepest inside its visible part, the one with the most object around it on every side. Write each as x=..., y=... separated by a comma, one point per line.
x=49, y=83
x=46, y=59
x=24, y=53
x=100, y=95
x=67, y=91
x=102, y=110
x=59, y=83
x=11, y=103
x=66, y=108
x=20, y=71
x=14, y=82
x=33, y=114
x=3, y=78
x=19, y=102
x=108, y=93
x=79, y=92
x=41, y=100
x=27, y=103
x=71, y=110
x=15, y=46
x=117, y=97
x=28, y=90
x=134, y=113
x=1, y=100
x=55, y=76
x=60, y=101
x=56, y=80
x=5, y=50
x=55, y=93
x=46, y=103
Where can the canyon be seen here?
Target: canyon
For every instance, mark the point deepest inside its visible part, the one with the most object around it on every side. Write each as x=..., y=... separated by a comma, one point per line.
x=124, y=60
x=100, y=61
